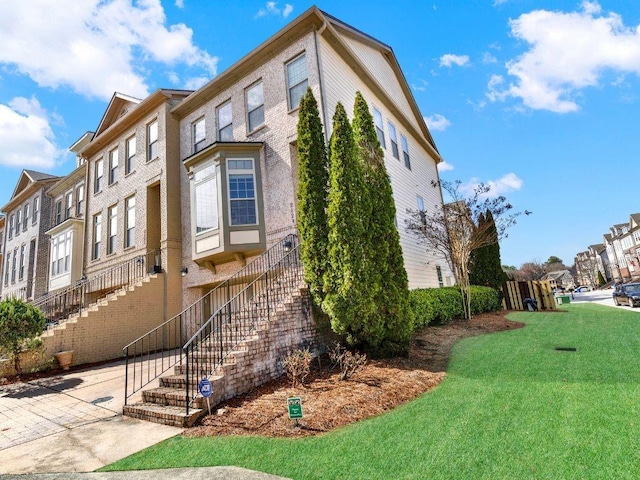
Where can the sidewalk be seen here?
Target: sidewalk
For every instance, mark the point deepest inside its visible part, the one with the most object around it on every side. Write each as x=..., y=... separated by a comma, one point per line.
x=71, y=422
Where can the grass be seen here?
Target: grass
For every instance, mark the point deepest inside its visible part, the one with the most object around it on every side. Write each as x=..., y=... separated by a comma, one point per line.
x=511, y=407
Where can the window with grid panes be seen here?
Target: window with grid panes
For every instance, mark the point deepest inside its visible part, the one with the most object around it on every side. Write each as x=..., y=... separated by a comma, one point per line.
x=297, y=80
x=242, y=194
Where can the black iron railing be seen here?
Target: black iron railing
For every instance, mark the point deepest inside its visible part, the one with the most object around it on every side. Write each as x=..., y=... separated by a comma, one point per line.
x=58, y=306
x=239, y=318
x=157, y=351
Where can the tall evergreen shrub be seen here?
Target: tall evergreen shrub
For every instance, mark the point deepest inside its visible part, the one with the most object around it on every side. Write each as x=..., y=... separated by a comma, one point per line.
x=347, y=299
x=386, y=276
x=313, y=178
x=485, y=267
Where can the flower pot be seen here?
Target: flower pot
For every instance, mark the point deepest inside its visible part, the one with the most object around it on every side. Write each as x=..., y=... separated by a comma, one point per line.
x=64, y=359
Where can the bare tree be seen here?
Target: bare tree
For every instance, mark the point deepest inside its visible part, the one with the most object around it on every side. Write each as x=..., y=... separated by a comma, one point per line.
x=587, y=268
x=532, y=270
x=453, y=231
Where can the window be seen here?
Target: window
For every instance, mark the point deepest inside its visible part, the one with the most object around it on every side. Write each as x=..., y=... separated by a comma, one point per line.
x=394, y=141
x=377, y=120
x=25, y=216
x=439, y=273
x=61, y=254
x=13, y=265
x=6, y=269
x=423, y=214
x=18, y=214
x=112, y=229
x=11, y=224
x=206, y=199
x=1, y=244
x=113, y=165
x=21, y=270
x=68, y=205
x=129, y=163
x=57, y=215
x=199, y=135
x=152, y=140
x=97, y=186
x=79, y=200
x=242, y=196
x=36, y=209
x=97, y=234
x=255, y=106
x=297, y=80
x=405, y=152
x=225, y=123
x=130, y=227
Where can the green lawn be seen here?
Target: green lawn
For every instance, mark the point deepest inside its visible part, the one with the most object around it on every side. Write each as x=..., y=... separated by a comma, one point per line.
x=511, y=407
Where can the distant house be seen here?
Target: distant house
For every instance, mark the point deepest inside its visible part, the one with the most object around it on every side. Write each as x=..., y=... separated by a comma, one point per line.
x=560, y=279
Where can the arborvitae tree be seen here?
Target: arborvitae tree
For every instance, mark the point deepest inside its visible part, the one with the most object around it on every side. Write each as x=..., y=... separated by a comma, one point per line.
x=313, y=178
x=485, y=267
x=386, y=275
x=347, y=301
x=601, y=280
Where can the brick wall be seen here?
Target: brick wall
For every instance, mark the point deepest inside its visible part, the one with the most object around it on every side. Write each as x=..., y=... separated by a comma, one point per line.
x=101, y=332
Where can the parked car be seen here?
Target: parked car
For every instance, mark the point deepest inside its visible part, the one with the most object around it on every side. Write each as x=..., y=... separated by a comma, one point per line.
x=582, y=288
x=628, y=294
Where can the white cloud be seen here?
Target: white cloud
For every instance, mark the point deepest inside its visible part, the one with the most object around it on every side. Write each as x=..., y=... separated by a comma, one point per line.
x=444, y=167
x=420, y=86
x=488, y=58
x=567, y=53
x=437, y=122
x=271, y=8
x=25, y=135
x=95, y=47
x=507, y=183
x=180, y=3
x=449, y=59
x=498, y=2
x=195, y=82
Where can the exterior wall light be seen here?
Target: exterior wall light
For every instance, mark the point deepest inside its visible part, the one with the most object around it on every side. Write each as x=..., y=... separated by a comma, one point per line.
x=184, y=271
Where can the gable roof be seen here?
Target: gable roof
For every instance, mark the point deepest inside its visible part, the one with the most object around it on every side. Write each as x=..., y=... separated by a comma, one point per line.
x=119, y=105
x=28, y=182
x=330, y=27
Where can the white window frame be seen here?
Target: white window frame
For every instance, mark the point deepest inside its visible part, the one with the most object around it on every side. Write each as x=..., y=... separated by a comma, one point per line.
x=25, y=216
x=79, y=200
x=130, y=221
x=18, y=220
x=130, y=153
x=405, y=151
x=239, y=172
x=57, y=211
x=227, y=126
x=304, y=82
x=68, y=204
x=379, y=124
x=12, y=220
x=113, y=165
x=257, y=108
x=210, y=178
x=97, y=236
x=152, y=140
x=199, y=131
x=99, y=173
x=393, y=137
x=21, y=266
x=112, y=229
x=36, y=210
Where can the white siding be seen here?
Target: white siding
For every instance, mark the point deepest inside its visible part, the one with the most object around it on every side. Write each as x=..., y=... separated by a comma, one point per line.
x=379, y=68
x=340, y=84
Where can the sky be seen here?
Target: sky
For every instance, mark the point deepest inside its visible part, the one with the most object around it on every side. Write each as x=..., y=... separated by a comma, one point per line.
x=538, y=99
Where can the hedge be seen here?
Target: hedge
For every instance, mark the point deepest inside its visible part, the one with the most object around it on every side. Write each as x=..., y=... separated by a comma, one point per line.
x=439, y=306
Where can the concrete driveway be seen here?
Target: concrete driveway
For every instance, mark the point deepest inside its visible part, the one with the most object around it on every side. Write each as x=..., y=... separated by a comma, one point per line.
x=71, y=422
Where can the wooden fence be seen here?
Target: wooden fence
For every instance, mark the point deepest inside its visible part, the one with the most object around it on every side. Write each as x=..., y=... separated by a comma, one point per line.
x=516, y=292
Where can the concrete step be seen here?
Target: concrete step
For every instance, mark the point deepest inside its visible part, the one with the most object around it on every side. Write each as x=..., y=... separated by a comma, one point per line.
x=166, y=415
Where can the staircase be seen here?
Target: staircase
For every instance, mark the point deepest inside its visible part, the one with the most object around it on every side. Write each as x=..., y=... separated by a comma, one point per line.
x=238, y=346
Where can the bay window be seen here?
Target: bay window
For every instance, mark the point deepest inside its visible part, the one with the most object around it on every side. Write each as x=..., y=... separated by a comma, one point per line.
x=242, y=192
x=206, y=199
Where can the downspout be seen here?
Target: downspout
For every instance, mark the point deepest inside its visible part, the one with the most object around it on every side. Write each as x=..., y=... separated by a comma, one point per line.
x=321, y=84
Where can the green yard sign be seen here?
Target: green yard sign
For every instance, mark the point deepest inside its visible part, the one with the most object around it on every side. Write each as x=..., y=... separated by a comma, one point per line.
x=295, y=407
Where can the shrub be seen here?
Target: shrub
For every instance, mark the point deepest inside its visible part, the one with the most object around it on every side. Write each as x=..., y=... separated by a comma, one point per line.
x=297, y=364
x=439, y=306
x=349, y=362
x=20, y=323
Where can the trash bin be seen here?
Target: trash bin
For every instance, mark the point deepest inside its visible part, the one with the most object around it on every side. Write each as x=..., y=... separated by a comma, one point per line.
x=563, y=299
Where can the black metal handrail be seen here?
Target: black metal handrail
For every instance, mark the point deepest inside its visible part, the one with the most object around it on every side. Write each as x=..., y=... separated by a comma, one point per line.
x=239, y=318
x=155, y=352
x=59, y=305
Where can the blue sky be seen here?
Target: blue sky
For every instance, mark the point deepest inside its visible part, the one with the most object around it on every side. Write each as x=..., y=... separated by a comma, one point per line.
x=537, y=98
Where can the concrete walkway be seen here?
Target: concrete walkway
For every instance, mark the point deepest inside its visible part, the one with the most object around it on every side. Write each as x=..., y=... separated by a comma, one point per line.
x=71, y=422
x=61, y=426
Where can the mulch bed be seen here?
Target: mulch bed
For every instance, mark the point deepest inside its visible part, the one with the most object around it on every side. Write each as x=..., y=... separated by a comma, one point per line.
x=329, y=403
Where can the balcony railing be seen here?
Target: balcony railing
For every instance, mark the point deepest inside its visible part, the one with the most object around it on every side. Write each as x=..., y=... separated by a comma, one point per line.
x=58, y=306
